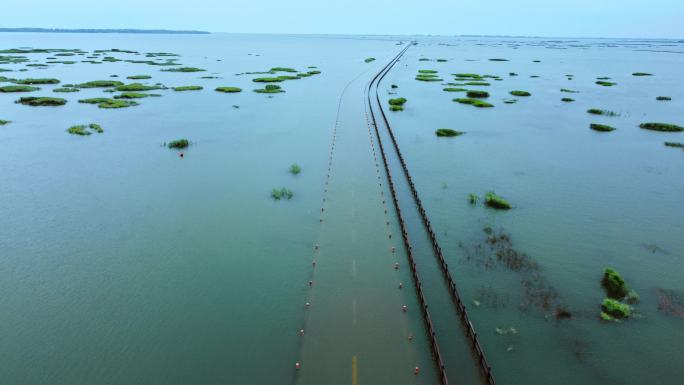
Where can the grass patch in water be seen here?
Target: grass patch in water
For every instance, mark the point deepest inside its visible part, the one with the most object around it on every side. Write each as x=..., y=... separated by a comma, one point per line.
x=229, y=90
x=510, y=101
x=663, y=98
x=427, y=71
x=139, y=77
x=496, y=202
x=396, y=108
x=615, y=309
x=283, y=193
x=133, y=95
x=36, y=101
x=641, y=74
x=183, y=69
x=85, y=129
x=477, y=94
x=476, y=84
x=397, y=101
x=136, y=87
x=36, y=81
x=66, y=89
x=448, y=132
x=569, y=91
x=454, y=89
x=188, y=88
x=99, y=84
x=605, y=83
x=269, y=89
x=597, y=111
x=267, y=80
x=674, y=144
x=601, y=127
x=283, y=69
x=472, y=198
x=567, y=100
x=473, y=102
x=8, y=89
x=520, y=93
x=295, y=169
x=663, y=127
x=3, y=122
x=370, y=59
x=496, y=59
x=428, y=78
x=178, y=143
x=109, y=103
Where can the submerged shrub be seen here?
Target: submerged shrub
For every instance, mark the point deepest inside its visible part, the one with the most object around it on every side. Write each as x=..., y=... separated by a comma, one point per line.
x=473, y=102
x=520, y=93
x=616, y=308
x=472, y=198
x=8, y=89
x=283, y=193
x=477, y=94
x=188, y=88
x=664, y=127
x=601, y=127
x=229, y=89
x=448, y=132
x=397, y=101
x=614, y=284
x=178, y=143
x=454, y=89
x=41, y=101
x=99, y=84
x=37, y=81
x=496, y=202
x=183, y=69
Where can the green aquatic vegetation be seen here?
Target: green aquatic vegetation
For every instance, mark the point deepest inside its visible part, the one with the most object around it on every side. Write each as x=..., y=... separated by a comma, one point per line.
x=470, y=76
x=674, y=144
x=614, y=284
x=448, y=132
x=616, y=308
x=78, y=130
x=520, y=93
x=394, y=86
x=473, y=198
x=370, y=59
x=607, y=317
x=396, y=108
x=5, y=70
x=663, y=127
x=13, y=59
x=283, y=69
x=477, y=94
x=477, y=84
x=136, y=87
x=397, y=101
x=229, y=89
x=315, y=72
x=133, y=95
x=267, y=80
x=510, y=101
x=428, y=78
x=289, y=77
x=96, y=127
x=598, y=111
x=188, y=88
x=36, y=81
x=427, y=71
x=178, y=143
x=569, y=91
x=295, y=169
x=442, y=60
x=663, y=98
x=424, y=59
x=66, y=89
x=473, y=102
x=139, y=77
x=454, y=89
x=109, y=103
x=3, y=122
x=601, y=127
x=18, y=89
x=603, y=78
x=641, y=74
x=605, y=83
x=283, y=193
x=269, y=89
x=99, y=84
x=512, y=74
x=496, y=202
x=567, y=100
x=498, y=59
x=36, y=101
x=183, y=69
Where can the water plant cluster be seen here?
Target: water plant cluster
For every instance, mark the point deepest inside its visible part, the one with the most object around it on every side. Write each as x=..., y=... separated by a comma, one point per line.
x=282, y=193
x=448, y=132
x=397, y=104
x=428, y=76
x=178, y=144
x=617, y=292
x=85, y=129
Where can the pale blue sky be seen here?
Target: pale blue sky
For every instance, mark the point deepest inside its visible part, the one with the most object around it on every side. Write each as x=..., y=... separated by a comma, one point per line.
x=581, y=18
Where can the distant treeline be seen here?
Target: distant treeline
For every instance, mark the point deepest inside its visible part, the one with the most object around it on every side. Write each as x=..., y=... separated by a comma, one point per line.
x=60, y=30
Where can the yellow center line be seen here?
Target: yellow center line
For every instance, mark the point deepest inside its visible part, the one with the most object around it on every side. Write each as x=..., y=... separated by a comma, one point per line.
x=354, y=371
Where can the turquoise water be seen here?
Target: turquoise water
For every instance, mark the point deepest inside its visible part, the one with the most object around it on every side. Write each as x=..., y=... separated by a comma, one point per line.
x=121, y=262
